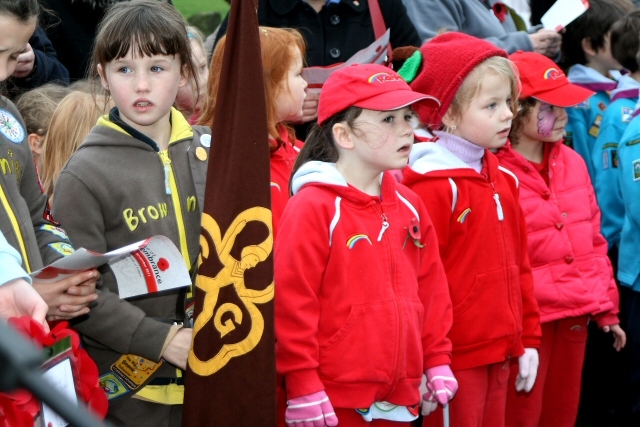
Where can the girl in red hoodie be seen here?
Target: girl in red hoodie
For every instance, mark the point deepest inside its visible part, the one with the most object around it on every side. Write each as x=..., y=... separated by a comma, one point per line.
x=362, y=307
x=573, y=280
x=480, y=227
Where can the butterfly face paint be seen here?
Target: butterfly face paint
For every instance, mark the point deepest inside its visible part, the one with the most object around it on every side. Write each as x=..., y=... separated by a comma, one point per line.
x=546, y=119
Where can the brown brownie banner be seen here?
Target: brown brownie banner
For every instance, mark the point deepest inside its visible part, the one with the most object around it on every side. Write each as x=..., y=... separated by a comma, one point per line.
x=231, y=372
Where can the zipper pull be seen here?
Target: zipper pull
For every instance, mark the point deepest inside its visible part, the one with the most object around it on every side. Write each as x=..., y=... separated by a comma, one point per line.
x=496, y=197
x=167, y=174
x=385, y=225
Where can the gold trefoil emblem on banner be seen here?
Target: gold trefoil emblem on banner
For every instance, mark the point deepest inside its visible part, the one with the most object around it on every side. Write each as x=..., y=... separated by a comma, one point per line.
x=231, y=274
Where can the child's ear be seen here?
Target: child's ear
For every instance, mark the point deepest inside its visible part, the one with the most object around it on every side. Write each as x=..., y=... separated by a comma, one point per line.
x=342, y=136
x=587, y=47
x=103, y=77
x=448, y=119
x=35, y=142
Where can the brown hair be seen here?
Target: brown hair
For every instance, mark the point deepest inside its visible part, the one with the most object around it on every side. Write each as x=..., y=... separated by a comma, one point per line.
x=625, y=40
x=473, y=82
x=524, y=109
x=277, y=56
x=147, y=28
x=71, y=123
x=37, y=106
x=320, y=145
x=22, y=10
x=593, y=24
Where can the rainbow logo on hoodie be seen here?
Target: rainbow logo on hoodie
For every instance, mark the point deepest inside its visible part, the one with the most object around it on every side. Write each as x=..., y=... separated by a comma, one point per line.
x=351, y=241
x=463, y=215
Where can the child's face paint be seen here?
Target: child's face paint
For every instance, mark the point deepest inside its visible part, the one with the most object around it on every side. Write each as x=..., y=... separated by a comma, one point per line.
x=546, y=119
x=544, y=122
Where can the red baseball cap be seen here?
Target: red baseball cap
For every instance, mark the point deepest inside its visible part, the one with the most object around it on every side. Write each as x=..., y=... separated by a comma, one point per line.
x=542, y=79
x=370, y=86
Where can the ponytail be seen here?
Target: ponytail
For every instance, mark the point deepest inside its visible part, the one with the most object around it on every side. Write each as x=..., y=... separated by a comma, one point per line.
x=319, y=144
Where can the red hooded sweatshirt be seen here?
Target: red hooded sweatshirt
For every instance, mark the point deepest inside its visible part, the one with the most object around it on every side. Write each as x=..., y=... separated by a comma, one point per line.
x=482, y=237
x=361, y=308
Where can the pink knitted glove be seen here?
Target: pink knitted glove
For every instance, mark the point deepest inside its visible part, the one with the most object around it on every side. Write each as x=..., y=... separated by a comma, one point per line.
x=441, y=383
x=312, y=410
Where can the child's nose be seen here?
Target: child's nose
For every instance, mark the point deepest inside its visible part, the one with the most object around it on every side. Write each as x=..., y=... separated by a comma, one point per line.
x=5, y=72
x=407, y=129
x=142, y=83
x=508, y=114
x=561, y=113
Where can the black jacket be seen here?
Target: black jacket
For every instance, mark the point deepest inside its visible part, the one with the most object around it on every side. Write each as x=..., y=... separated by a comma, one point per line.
x=339, y=30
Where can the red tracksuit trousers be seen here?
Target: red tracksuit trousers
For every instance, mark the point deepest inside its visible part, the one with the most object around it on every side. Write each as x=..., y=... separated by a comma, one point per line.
x=480, y=400
x=554, y=399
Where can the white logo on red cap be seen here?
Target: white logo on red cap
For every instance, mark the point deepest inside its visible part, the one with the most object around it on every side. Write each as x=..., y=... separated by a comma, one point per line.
x=553, y=73
x=384, y=77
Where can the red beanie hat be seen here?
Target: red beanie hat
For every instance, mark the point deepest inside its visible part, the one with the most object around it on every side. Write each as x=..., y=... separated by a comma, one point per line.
x=447, y=60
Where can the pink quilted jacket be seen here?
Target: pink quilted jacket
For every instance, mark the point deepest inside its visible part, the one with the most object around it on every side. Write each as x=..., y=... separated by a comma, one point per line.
x=572, y=274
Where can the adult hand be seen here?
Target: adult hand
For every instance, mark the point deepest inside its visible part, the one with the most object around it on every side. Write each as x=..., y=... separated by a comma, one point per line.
x=312, y=410
x=26, y=62
x=18, y=298
x=546, y=42
x=69, y=297
x=177, y=351
x=528, y=370
x=619, y=336
x=310, y=106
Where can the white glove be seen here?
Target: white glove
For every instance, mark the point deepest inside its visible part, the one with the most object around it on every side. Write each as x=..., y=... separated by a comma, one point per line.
x=528, y=370
x=429, y=405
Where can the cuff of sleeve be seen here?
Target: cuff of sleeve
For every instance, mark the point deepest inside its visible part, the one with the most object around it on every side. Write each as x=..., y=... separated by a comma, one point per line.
x=532, y=343
x=524, y=41
x=437, y=360
x=149, y=339
x=607, y=320
x=302, y=383
x=11, y=269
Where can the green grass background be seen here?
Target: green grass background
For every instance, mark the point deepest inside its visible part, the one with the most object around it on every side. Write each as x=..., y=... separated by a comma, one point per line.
x=189, y=7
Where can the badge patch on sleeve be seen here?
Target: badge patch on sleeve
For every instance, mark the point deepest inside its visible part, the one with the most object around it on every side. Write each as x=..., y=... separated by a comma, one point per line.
x=627, y=114
x=112, y=386
x=594, y=130
x=56, y=231
x=636, y=170
x=610, y=155
x=10, y=127
x=62, y=248
x=633, y=142
x=583, y=105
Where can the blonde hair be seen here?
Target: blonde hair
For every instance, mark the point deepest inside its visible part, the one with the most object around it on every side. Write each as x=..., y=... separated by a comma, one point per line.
x=189, y=98
x=71, y=123
x=37, y=106
x=195, y=34
x=472, y=84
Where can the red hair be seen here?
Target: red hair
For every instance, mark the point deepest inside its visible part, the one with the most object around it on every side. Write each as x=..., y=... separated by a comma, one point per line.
x=277, y=57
